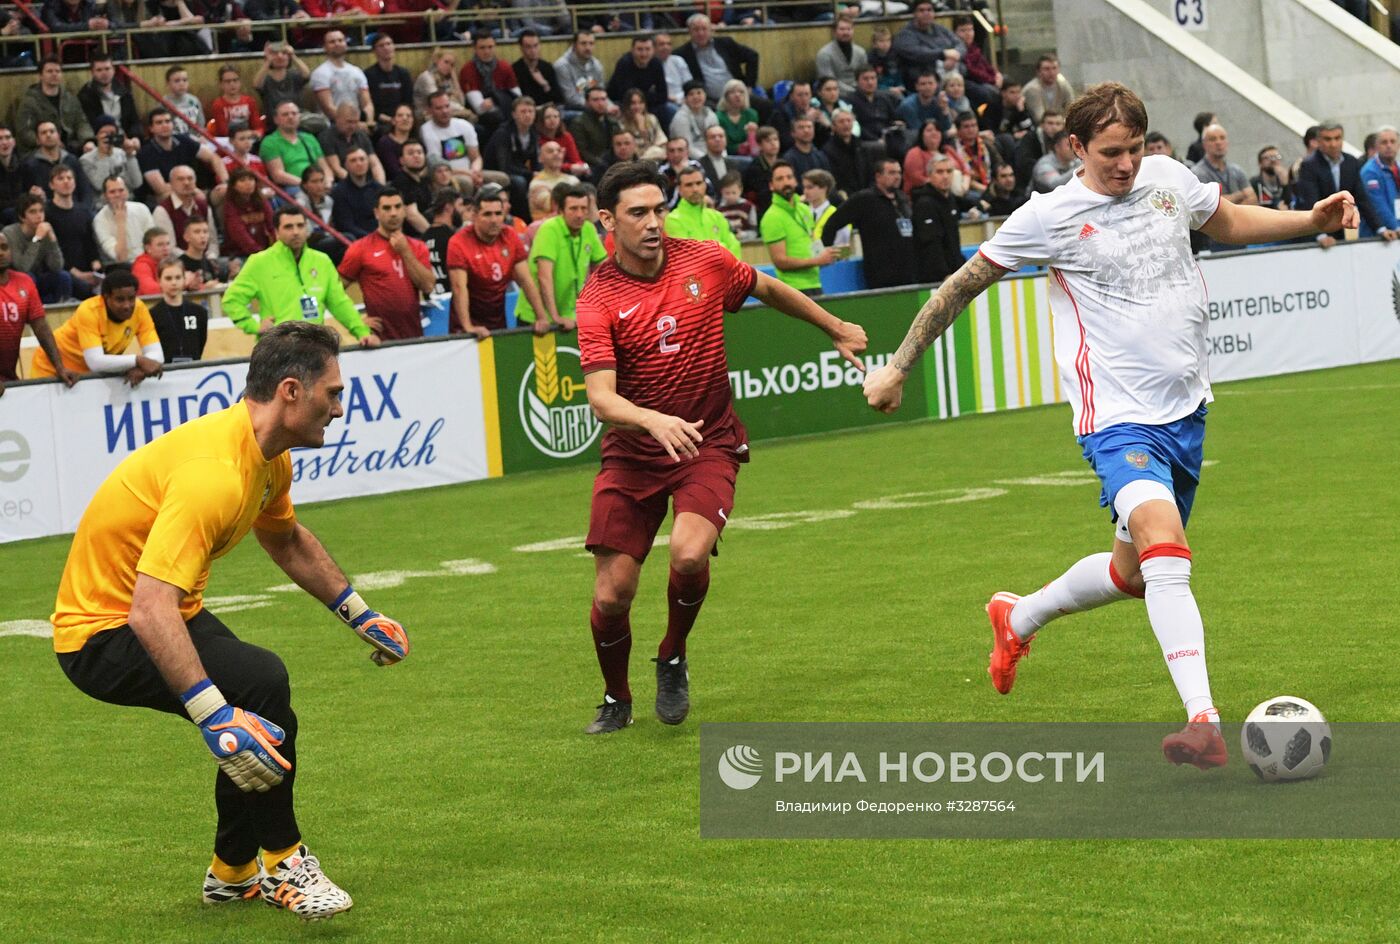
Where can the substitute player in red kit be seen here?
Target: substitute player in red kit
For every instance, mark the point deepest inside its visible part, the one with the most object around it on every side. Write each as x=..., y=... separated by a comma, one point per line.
x=392, y=270
x=483, y=258
x=651, y=339
x=20, y=306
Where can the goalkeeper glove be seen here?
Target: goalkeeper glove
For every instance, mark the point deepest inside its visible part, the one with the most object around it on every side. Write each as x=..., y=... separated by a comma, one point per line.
x=243, y=743
x=388, y=638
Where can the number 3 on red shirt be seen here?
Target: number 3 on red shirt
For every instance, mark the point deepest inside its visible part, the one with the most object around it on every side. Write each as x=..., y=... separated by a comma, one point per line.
x=667, y=326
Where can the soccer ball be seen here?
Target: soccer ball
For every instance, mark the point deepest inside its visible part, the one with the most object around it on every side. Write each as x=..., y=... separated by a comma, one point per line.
x=1286, y=738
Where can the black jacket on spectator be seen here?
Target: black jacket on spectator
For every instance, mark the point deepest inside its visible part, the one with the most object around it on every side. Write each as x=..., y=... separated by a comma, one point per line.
x=388, y=90
x=353, y=209
x=758, y=188
x=874, y=117
x=37, y=169
x=152, y=157
x=996, y=119
x=11, y=186
x=850, y=165
x=712, y=174
x=73, y=231
x=91, y=100
x=528, y=85
x=651, y=81
x=886, y=235
x=812, y=160
x=417, y=193
x=936, y=218
x=593, y=135
x=741, y=61
x=1029, y=149
x=505, y=152
x=60, y=18
x=1003, y=206
x=1315, y=182
x=782, y=118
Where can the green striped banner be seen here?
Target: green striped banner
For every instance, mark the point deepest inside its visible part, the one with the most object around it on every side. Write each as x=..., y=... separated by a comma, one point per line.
x=998, y=355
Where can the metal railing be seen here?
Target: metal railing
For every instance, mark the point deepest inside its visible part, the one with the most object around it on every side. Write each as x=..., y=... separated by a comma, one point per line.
x=219, y=148
x=119, y=39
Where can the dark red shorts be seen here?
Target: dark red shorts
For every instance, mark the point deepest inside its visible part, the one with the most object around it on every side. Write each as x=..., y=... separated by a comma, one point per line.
x=629, y=502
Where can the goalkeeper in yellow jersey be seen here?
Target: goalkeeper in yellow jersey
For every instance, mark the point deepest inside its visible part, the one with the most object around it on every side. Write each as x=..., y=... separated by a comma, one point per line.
x=130, y=626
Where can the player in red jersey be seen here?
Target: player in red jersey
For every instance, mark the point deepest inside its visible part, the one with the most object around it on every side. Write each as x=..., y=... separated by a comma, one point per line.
x=392, y=270
x=20, y=306
x=483, y=258
x=651, y=338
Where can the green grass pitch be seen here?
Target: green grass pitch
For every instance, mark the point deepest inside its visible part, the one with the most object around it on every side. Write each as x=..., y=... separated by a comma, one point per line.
x=457, y=800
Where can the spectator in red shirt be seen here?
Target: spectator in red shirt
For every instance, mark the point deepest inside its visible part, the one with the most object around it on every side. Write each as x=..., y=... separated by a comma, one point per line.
x=155, y=248
x=489, y=83
x=550, y=125
x=233, y=106
x=247, y=217
x=482, y=260
x=392, y=269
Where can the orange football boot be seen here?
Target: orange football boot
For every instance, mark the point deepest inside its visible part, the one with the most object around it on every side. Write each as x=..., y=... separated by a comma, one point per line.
x=1198, y=743
x=1007, y=647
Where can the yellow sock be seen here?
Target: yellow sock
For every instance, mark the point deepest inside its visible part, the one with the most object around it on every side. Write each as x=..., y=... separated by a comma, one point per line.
x=233, y=874
x=273, y=859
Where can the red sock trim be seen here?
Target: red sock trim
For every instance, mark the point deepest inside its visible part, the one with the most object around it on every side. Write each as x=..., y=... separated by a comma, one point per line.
x=1165, y=550
x=1122, y=584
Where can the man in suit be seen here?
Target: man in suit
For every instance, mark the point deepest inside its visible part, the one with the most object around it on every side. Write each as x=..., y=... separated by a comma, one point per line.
x=1327, y=171
x=706, y=53
x=715, y=162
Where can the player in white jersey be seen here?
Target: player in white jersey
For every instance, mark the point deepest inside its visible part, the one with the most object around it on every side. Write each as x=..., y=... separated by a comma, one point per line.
x=1129, y=310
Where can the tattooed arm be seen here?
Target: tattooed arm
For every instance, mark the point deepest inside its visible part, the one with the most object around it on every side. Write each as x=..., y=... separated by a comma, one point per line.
x=884, y=389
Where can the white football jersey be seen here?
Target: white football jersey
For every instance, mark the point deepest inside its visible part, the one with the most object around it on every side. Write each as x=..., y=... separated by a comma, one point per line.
x=1127, y=300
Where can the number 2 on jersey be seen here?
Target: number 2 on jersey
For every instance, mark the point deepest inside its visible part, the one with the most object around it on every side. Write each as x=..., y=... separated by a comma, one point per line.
x=667, y=326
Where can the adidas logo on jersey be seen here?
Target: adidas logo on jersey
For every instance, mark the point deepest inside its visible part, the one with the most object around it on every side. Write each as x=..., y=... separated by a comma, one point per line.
x=1087, y=231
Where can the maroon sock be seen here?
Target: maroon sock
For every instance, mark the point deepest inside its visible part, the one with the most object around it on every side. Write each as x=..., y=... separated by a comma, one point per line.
x=684, y=594
x=612, y=639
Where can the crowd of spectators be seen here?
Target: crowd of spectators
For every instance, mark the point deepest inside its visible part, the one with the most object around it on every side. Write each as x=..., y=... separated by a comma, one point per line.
x=452, y=175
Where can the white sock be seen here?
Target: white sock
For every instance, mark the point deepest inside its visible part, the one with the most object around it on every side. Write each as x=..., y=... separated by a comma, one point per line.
x=1176, y=620
x=1086, y=585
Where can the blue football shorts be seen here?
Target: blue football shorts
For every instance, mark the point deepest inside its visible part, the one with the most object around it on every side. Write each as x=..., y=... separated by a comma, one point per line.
x=1170, y=454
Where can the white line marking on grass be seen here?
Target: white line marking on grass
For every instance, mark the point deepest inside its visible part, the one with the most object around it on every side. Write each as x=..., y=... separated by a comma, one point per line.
x=388, y=579
x=1055, y=479
x=558, y=544
x=778, y=520
x=955, y=496
x=1274, y=391
x=238, y=602
x=41, y=629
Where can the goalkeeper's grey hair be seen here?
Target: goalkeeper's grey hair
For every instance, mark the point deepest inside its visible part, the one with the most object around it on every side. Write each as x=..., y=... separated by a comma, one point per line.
x=295, y=349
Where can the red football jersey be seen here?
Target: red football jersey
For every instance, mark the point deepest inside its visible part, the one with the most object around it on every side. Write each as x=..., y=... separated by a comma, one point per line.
x=490, y=268
x=665, y=338
x=389, y=292
x=255, y=163
x=223, y=113
x=19, y=305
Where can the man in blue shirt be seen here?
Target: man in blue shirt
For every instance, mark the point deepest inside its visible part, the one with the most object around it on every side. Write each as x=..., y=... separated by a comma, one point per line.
x=1380, y=181
x=926, y=102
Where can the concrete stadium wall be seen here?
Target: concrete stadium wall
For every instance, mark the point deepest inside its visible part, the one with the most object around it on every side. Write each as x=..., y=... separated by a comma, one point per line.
x=1176, y=73
x=1312, y=53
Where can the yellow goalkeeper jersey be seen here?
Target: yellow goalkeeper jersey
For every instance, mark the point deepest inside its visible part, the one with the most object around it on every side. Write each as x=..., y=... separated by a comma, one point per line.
x=168, y=510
